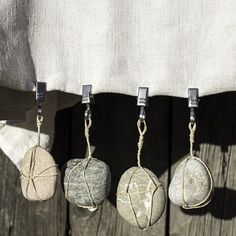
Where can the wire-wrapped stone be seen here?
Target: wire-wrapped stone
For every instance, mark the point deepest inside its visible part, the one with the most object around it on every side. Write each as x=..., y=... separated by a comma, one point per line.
x=38, y=174
x=192, y=184
x=87, y=182
x=140, y=197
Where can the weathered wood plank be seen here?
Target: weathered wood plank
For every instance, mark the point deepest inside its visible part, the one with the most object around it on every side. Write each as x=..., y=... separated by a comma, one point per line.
x=114, y=136
x=216, y=139
x=18, y=216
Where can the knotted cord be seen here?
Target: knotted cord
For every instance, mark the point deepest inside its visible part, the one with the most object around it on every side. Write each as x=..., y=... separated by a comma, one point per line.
x=192, y=127
x=141, y=138
x=39, y=120
x=87, y=125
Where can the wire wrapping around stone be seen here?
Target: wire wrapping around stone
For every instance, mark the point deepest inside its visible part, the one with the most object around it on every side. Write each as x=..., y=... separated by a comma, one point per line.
x=192, y=184
x=200, y=178
x=92, y=204
x=96, y=190
x=31, y=175
x=87, y=182
x=208, y=197
x=144, y=178
x=126, y=185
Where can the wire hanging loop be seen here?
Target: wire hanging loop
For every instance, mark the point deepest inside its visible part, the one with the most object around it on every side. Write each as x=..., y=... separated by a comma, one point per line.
x=192, y=127
x=39, y=121
x=87, y=125
x=142, y=128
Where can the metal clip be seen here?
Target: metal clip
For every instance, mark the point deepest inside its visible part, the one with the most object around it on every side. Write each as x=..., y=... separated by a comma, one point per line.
x=193, y=99
x=41, y=88
x=87, y=98
x=142, y=101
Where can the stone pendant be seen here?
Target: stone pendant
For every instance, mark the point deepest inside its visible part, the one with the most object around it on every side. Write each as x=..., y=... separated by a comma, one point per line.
x=192, y=184
x=87, y=182
x=38, y=175
x=140, y=197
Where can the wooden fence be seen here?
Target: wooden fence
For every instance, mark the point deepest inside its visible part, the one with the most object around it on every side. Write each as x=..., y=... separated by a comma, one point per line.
x=114, y=137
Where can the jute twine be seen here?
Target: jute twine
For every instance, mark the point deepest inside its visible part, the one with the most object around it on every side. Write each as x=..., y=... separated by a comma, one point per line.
x=31, y=177
x=142, y=131
x=87, y=125
x=204, y=202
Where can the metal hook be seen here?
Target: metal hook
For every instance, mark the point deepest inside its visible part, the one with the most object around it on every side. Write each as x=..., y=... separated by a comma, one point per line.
x=142, y=101
x=193, y=100
x=87, y=98
x=41, y=88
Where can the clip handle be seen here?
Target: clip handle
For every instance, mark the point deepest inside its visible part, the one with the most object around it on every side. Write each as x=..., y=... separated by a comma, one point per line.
x=142, y=101
x=193, y=100
x=41, y=88
x=87, y=98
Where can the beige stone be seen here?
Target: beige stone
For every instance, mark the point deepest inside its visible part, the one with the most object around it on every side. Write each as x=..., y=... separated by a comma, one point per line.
x=140, y=197
x=38, y=175
x=192, y=184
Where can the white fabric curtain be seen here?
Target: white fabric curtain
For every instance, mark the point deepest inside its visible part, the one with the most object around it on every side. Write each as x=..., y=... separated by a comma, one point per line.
x=119, y=45
x=115, y=45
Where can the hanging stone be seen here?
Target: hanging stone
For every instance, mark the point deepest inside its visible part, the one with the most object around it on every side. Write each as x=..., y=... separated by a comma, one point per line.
x=140, y=197
x=38, y=175
x=87, y=182
x=192, y=184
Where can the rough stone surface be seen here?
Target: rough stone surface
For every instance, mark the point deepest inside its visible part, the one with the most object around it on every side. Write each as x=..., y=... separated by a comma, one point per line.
x=195, y=187
x=140, y=193
x=42, y=185
x=96, y=174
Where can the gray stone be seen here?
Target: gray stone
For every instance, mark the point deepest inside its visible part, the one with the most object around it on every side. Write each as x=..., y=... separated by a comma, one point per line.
x=140, y=197
x=192, y=184
x=38, y=175
x=87, y=182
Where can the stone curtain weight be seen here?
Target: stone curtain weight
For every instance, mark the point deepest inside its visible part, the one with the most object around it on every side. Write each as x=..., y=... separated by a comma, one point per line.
x=192, y=183
x=87, y=181
x=39, y=171
x=38, y=175
x=140, y=195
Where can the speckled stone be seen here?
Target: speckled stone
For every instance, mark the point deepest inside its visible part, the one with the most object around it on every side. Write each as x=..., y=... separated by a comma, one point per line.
x=192, y=184
x=98, y=177
x=140, y=194
x=40, y=184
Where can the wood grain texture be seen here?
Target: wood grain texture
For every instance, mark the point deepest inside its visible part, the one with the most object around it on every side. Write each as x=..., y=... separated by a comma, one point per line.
x=215, y=144
x=114, y=139
x=18, y=216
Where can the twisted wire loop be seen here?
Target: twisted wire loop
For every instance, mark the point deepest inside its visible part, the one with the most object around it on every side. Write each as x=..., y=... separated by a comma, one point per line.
x=142, y=131
x=129, y=195
x=87, y=125
x=31, y=177
x=192, y=127
x=39, y=120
